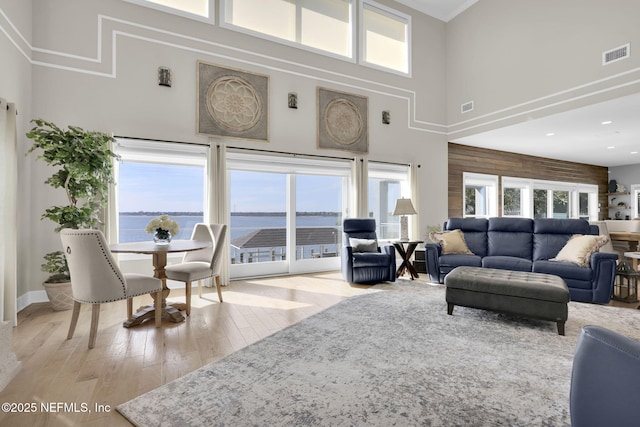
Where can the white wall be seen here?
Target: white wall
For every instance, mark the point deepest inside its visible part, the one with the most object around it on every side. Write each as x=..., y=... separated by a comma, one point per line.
x=95, y=65
x=520, y=60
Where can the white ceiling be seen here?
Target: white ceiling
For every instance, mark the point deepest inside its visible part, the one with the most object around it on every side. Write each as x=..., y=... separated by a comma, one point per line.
x=578, y=136
x=444, y=10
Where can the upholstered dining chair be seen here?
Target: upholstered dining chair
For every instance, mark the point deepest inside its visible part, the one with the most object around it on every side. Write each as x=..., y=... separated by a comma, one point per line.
x=202, y=264
x=97, y=279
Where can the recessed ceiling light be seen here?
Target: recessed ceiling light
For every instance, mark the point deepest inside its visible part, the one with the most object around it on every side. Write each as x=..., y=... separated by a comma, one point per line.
x=611, y=147
x=607, y=122
x=634, y=152
x=549, y=134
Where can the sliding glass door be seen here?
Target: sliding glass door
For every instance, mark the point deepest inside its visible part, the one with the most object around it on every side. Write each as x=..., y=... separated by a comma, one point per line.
x=286, y=213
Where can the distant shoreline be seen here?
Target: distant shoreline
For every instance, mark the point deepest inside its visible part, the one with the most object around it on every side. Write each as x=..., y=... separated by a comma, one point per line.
x=232, y=213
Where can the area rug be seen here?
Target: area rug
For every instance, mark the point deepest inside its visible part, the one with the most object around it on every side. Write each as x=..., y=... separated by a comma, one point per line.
x=391, y=357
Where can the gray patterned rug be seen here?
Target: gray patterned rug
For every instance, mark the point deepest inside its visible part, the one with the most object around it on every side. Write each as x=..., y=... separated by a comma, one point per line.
x=392, y=357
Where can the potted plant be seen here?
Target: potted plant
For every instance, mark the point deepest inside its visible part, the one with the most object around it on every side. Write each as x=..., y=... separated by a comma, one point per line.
x=84, y=171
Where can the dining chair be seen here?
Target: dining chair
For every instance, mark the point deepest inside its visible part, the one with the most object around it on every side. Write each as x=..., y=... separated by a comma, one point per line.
x=97, y=279
x=202, y=264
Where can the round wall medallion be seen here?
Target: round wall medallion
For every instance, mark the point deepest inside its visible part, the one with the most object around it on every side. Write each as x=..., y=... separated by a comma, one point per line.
x=343, y=121
x=233, y=103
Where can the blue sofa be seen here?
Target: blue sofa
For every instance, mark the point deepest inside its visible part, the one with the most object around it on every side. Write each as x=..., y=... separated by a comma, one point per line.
x=524, y=244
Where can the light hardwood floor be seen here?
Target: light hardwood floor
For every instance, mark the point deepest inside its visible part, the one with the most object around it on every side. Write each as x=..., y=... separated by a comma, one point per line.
x=126, y=363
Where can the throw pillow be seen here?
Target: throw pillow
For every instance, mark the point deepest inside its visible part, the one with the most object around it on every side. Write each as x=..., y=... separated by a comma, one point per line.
x=363, y=245
x=579, y=248
x=451, y=242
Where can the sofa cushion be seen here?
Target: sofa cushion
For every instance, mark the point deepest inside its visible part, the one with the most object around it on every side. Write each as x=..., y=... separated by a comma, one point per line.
x=475, y=233
x=459, y=259
x=512, y=237
x=566, y=270
x=363, y=245
x=579, y=248
x=507, y=263
x=451, y=242
x=550, y=235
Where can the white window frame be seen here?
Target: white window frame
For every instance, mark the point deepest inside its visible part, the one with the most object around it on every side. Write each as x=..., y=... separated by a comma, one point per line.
x=391, y=13
x=529, y=185
x=158, y=152
x=290, y=166
x=524, y=185
x=634, y=191
x=395, y=172
x=210, y=19
x=491, y=202
x=350, y=57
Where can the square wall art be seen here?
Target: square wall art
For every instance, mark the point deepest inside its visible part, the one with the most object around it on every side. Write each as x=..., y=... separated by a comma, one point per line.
x=342, y=121
x=232, y=103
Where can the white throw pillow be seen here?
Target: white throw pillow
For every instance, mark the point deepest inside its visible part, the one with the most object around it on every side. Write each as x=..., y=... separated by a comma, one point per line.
x=363, y=245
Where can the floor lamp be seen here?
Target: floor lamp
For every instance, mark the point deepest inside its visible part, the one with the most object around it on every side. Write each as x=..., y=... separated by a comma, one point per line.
x=403, y=208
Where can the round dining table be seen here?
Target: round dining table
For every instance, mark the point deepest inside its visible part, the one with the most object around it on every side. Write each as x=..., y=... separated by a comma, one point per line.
x=159, y=253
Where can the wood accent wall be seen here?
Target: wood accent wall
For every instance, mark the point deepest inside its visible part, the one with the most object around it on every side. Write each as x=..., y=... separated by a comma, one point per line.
x=463, y=158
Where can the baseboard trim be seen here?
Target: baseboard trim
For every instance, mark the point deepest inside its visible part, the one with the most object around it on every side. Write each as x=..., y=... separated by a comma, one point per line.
x=31, y=297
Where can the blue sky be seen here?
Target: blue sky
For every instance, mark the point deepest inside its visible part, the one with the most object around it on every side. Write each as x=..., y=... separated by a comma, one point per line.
x=169, y=188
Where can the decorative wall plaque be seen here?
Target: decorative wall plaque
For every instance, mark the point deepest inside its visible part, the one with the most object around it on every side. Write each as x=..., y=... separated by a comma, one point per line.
x=342, y=121
x=232, y=103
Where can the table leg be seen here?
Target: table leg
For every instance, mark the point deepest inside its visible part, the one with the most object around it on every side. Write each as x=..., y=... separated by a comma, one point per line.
x=170, y=312
x=406, y=257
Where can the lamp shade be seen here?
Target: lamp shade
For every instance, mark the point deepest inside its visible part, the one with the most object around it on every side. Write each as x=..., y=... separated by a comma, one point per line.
x=404, y=207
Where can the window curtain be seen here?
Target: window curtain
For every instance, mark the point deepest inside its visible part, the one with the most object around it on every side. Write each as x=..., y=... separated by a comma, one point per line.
x=414, y=180
x=8, y=212
x=218, y=207
x=110, y=220
x=360, y=188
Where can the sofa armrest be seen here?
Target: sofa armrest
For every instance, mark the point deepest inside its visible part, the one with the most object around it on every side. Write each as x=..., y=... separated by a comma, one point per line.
x=432, y=253
x=391, y=251
x=603, y=265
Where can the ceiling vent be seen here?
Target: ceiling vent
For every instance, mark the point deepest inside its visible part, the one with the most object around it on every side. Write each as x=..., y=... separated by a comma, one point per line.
x=466, y=107
x=616, y=54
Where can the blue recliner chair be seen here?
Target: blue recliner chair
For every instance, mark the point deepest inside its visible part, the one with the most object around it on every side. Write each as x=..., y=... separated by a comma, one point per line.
x=363, y=261
x=605, y=381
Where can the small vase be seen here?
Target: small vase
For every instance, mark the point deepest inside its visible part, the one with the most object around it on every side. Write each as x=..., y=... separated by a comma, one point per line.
x=162, y=237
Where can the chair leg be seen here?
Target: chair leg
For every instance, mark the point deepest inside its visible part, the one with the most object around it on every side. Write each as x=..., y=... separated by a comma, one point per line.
x=129, y=308
x=218, y=287
x=188, y=297
x=158, y=306
x=95, y=315
x=199, y=288
x=74, y=319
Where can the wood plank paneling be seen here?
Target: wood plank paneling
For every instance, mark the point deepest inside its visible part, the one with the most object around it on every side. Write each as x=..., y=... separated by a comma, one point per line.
x=463, y=158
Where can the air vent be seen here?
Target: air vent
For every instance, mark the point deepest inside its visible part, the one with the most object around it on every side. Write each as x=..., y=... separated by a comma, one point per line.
x=616, y=54
x=466, y=107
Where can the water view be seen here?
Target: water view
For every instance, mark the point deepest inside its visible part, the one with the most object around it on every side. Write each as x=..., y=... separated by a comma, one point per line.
x=319, y=233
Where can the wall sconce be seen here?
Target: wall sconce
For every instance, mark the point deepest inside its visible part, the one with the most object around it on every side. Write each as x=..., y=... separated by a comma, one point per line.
x=164, y=76
x=403, y=208
x=293, y=100
x=386, y=117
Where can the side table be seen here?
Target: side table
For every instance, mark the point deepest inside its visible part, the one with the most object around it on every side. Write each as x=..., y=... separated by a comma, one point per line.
x=405, y=254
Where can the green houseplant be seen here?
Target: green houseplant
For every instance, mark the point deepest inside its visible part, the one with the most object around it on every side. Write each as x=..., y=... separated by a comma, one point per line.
x=84, y=170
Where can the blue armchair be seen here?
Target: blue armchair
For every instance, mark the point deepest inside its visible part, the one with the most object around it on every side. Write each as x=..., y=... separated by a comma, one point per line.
x=605, y=381
x=363, y=261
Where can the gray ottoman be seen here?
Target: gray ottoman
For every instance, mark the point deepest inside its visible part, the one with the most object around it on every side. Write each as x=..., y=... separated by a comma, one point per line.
x=541, y=296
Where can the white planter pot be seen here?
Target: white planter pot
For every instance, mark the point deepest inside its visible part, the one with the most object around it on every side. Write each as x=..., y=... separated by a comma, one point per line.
x=60, y=295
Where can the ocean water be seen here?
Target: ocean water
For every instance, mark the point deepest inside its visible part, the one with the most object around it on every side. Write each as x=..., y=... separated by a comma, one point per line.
x=132, y=228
